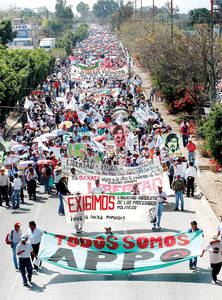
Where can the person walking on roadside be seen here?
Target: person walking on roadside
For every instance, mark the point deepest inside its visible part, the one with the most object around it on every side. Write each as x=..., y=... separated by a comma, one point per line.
x=14, y=237
x=178, y=187
x=4, y=187
x=63, y=190
x=17, y=185
x=215, y=252
x=34, y=235
x=185, y=131
x=161, y=198
x=191, y=147
x=219, y=228
x=193, y=261
x=24, y=250
x=190, y=175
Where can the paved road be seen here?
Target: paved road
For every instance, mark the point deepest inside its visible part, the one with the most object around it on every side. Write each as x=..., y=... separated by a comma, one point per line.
x=175, y=282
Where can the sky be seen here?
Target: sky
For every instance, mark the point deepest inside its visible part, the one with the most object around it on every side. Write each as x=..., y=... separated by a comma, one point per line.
x=184, y=5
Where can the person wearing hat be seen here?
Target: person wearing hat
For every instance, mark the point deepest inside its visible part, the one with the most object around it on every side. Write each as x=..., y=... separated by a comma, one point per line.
x=215, y=252
x=24, y=250
x=161, y=198
x=108, y=230
x=14, y=237
x=4, y=187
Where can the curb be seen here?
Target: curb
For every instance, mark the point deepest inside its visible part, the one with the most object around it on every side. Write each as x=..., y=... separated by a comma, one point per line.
x=208, y=208
x=203, y=198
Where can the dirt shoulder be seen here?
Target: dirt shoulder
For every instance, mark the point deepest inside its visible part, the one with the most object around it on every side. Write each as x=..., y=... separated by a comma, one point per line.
x=210, y=183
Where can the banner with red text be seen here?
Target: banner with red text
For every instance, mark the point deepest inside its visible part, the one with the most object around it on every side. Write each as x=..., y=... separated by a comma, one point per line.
x=108, y=208
x=110, y=254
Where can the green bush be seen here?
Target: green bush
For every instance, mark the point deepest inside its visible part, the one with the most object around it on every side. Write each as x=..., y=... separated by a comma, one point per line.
x=21, y=71
x=212, y=130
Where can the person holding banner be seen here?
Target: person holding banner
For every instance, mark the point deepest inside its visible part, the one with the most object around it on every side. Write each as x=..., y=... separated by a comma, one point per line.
x=162, y=197
x=135, y=190
x=215, y=252
x=193, y=261
x=80, y=216
x=98, y=189
x=63, y=190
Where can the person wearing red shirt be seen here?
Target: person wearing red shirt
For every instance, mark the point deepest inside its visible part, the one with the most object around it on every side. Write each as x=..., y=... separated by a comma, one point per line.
x=185, y=130
x=191, y=147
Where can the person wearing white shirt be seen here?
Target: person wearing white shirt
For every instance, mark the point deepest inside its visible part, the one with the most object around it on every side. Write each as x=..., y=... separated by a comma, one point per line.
x=17, y=184
x=34, y=235
x=179, y=170
x=14, y=238
x=190, y=175
x=24, y=250
x=219, y=229
x=98, y=189
x=161, y=198
x=215, y=252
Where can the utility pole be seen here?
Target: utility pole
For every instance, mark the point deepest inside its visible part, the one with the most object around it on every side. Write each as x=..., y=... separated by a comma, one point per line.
x=135, y=8
x=172, y=21
x=212, y=87
x=141, y=8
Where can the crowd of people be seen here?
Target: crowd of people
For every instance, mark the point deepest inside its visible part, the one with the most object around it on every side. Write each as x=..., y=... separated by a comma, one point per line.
x=95, y=100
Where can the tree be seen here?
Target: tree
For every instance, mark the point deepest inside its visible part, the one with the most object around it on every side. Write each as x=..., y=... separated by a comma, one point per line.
x=62, y=11
x=102, y=9
x=83, y=9
x=199, y=16
x=52, y=27
x=6, y=33
x=212, y=130
x=121, y=15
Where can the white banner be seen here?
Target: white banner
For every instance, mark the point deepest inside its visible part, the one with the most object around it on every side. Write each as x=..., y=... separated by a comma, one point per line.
x=107, y=208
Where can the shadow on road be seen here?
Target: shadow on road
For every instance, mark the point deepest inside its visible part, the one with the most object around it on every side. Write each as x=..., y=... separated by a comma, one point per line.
x=130, y=231
x=202, y=276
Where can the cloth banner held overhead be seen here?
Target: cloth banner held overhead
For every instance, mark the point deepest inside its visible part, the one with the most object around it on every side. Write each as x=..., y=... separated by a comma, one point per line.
x=172, y=142
x=147, y=185
x=109, y=254
x=107, y=208
x=94, y=168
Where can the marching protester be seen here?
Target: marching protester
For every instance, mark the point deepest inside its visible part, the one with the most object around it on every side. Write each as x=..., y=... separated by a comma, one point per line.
x=219, y=229
x=24, y=250
x=17, y=185
x=191, y=147
x=190, y=175
x=178, y=187
x=162, y=197
x=63, y=190
x=98, y=189
x=14, y=238
x=34, y=235
x=4, y=187
x=193, y=261
x=215, y=252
